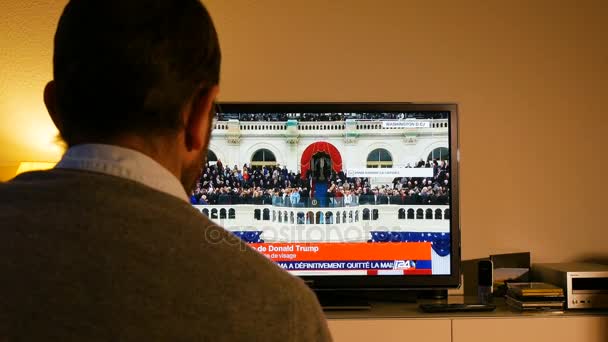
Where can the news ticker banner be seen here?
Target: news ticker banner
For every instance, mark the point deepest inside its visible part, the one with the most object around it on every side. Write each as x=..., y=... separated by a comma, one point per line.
x=413, y=257
x=391, y=172
x=407, y=123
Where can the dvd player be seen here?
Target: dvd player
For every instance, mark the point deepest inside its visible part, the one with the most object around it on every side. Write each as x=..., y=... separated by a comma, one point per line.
x=585, y=284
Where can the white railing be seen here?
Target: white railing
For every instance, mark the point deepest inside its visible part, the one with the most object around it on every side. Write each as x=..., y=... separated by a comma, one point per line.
x=328, y=224
x=303, y=127
x=375, y=126
x=221, y=126
x=321, y=125
x=262, y=126
x=355, y=224
x=247, y=212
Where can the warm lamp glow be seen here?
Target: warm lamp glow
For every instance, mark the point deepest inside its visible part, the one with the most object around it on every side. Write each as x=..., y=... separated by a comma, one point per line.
x=35, y=166
x=25, y=123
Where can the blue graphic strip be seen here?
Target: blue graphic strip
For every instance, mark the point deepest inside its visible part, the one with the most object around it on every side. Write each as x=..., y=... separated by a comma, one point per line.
x=441, y=242
x=249, y=236
x=424, y=265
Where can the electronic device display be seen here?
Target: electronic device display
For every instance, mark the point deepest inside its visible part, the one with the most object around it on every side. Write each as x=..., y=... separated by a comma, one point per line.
x=344, y=195
x=585, y=284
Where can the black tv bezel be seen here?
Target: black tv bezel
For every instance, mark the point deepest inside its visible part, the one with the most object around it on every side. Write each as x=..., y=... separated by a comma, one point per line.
x=390, y=282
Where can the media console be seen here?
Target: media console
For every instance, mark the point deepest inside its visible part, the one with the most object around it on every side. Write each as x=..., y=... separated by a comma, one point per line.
x=389, y=322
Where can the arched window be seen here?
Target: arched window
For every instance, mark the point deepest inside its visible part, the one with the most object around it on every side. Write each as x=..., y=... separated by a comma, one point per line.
x=401, y=215
x=374, y=214
x=356, y=215
x=291, y=218
x=266, y=215
x=446, y=215
x=338, y=217
x=223, y=214
x=438, y=214
x=257, y=214
x=329, y=217
x=429, y=214
x=379, y=158
x=365, y=215
x=419, y=214
x=440, y=153
x=310, y=217
x=213, y=213
x=232, y=214
x=263, y=157
x=300, y=217
x=206, y=212
x=211, y=157
x=319, y=217
x=285, y=216
x=410, y=214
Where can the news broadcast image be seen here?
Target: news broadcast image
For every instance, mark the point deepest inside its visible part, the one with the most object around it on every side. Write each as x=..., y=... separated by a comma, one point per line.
x=333, y=193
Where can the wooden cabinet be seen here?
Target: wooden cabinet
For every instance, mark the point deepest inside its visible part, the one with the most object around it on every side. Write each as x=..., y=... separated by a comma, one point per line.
x=535, y=329
x=403, y=322
x=391, y=330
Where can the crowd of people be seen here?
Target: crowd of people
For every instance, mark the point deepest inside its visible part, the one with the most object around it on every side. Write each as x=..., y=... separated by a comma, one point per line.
x=329, y=116
x=275, y=185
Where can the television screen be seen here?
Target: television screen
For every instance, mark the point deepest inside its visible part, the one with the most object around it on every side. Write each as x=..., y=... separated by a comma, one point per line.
x=346, y=191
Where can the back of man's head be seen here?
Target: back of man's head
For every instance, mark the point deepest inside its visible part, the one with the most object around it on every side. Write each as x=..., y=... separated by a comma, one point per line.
x=130, y=67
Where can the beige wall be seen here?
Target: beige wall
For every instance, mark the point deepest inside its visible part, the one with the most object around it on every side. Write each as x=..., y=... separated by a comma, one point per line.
x=529, y=76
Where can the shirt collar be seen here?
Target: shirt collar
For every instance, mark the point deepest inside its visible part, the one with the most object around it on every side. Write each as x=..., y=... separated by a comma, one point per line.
x=125, y=163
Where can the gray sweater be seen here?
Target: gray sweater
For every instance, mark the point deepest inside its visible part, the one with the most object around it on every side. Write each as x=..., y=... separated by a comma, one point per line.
x=92, y=257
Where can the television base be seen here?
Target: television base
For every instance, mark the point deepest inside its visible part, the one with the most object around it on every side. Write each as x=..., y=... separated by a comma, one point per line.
x=360, y=300
x=336, y=301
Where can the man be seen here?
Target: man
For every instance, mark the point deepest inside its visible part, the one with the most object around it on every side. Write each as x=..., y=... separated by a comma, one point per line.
x=266, y=198
x=374, y=198
x=305, y=196
x=295, y=197
x=395, y=198
x=212, y=196
x=348, y=199
x=116, y=253
x=382, y=197
x=339, y=196
x=224, y=198
x=363, y=196
x=287, y=197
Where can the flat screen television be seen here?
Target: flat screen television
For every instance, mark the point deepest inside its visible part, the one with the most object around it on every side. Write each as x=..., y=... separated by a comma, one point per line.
x=345, y=195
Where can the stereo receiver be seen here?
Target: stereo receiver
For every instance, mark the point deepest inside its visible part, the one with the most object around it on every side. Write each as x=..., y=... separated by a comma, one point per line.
x=585, y=285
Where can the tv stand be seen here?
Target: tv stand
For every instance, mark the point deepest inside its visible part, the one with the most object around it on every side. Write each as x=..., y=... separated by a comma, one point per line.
x=359, y=300
x=337, y=301
x=406, y=322
x=432, y=294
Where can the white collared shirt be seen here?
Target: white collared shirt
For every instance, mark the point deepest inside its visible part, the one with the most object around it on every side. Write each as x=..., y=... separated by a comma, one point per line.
x=123, y=162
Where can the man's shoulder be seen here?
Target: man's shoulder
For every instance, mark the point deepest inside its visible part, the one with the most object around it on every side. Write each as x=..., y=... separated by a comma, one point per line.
x=156, y=223
x=63, y=177
x=78, y=182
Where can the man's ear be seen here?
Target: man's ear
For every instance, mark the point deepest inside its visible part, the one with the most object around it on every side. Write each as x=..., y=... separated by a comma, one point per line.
x=199, y=120
x=50, y=101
